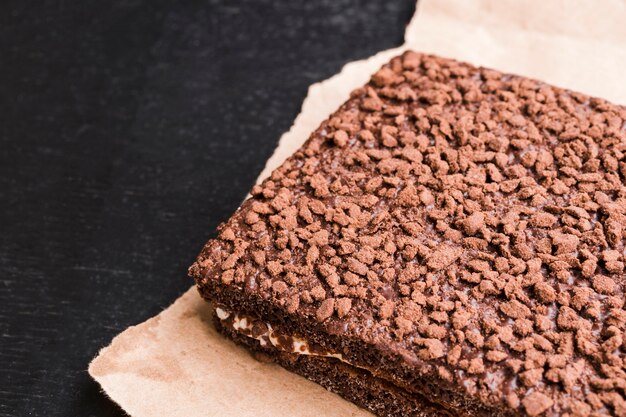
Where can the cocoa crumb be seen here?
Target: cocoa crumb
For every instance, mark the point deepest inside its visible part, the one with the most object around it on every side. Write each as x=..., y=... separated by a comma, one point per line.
x=444, y=256
x=386, y=309
x=536, y=403
x=318, y=293
x=343, y=306
x=603, y=284
x=340, y=138
x=434, y=349
x=326, y=309
x=545, y=292
x=473, y=223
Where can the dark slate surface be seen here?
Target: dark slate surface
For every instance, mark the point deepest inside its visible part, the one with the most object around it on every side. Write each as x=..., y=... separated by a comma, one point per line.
x=130, y=130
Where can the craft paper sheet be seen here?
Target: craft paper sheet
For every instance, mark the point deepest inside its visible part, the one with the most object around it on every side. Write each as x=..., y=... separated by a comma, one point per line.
x=176, y=364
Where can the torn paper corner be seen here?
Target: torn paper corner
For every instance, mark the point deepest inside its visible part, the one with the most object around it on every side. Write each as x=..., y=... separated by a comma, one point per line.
x=176, y=364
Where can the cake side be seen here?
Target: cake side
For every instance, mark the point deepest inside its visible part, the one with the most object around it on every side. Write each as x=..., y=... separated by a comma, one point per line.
x=468, y=221
x=398, y=367
x=355, y=385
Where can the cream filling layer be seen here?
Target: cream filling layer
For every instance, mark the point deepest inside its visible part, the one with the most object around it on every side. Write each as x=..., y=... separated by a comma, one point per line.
x=299, y=346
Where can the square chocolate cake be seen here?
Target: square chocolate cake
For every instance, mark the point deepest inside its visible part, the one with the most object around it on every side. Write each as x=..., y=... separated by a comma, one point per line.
x=449, y=242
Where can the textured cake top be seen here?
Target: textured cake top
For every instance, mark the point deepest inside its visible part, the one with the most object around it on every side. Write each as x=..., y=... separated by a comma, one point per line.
x=470, y=219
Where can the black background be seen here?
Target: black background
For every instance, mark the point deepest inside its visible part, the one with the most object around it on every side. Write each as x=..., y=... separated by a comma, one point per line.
x=128, y=131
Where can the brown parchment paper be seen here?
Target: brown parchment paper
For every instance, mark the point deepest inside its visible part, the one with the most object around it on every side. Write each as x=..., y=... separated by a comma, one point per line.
x=175, y=364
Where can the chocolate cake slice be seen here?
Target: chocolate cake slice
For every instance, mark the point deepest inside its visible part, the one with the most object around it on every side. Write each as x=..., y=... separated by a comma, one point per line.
x=449, y=242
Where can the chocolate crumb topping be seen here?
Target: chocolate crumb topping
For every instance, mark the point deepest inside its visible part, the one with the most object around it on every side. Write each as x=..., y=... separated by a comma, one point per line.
x=469, y=221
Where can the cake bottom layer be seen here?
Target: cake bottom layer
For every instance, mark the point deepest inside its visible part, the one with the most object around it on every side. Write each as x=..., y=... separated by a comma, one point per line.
x=355, y=385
